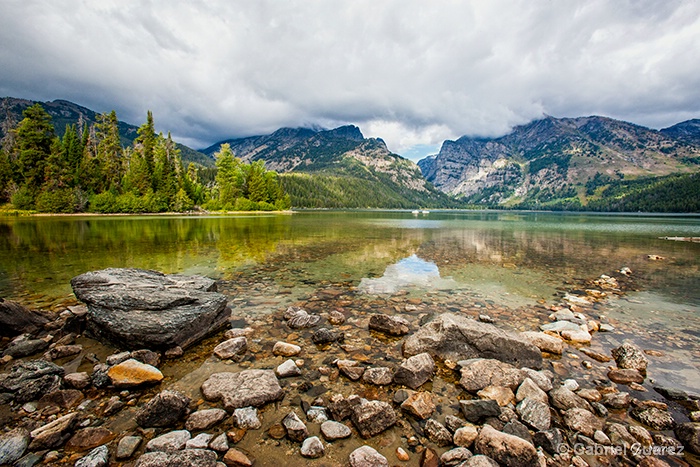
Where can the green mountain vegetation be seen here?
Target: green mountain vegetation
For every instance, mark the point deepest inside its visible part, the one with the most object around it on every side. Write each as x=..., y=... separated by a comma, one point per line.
x=589, y=163
x=65, y=113
x=91, y=171
x=340, y=168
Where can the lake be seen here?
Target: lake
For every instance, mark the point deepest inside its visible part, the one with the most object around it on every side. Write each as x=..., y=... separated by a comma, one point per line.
x=510, y=260
x=512, y=267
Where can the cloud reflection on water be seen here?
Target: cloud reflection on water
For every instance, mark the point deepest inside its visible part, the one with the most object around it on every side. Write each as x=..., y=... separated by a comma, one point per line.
x=406, y=273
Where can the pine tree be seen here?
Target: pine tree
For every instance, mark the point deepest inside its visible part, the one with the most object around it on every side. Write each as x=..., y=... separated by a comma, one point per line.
x=256, y=186
x=73, y=152
x=35, y=135
x=229, y=177
x=109, y=149
x=145, y=143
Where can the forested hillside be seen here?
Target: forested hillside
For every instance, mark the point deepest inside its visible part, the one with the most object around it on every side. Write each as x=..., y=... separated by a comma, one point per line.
x=92, y=171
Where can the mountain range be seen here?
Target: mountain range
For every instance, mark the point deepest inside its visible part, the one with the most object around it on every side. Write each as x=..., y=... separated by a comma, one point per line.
x=551, y=163
x=555, y=159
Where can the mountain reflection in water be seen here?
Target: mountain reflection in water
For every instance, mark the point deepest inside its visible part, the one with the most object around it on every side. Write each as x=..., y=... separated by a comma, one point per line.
x=406, y=273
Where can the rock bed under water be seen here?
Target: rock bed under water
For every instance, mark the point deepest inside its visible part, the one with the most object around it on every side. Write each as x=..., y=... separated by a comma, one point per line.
x=106, y=416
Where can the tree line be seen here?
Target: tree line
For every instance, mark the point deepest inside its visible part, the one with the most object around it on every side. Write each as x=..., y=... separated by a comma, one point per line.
x=89, y=170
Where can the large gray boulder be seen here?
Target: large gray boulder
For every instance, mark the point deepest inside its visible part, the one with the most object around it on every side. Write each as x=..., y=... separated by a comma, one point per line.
x=454, y=337
x=136, y=308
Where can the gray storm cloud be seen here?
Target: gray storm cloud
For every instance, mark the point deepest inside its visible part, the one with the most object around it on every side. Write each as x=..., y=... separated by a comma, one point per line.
x=411, y=72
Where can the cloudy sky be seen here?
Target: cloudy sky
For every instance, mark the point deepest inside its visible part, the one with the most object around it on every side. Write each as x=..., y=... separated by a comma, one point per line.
x=413, y=72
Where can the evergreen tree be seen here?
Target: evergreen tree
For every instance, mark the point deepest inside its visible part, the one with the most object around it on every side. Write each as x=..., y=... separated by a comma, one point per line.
x=145, y=143
x=229, y=177
x=5, y=176
x=256, y=188
x=73, y=152
x=109, y=150
x=35, y=135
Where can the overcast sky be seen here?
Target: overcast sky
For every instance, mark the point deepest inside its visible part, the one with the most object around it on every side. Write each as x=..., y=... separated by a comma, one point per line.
x=413, y=72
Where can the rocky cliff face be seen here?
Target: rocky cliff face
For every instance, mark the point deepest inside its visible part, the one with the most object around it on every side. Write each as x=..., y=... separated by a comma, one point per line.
x=340, y=151
x=557, y=157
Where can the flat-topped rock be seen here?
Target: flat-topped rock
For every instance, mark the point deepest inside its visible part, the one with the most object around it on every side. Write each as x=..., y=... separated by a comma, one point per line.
x=137, y=308
x=455, y=337
x=243, y=389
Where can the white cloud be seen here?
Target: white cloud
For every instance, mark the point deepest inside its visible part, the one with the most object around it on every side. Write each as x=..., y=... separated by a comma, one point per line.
x=408, y=71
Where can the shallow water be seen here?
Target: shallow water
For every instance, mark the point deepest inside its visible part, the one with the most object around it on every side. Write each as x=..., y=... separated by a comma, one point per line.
x=511, y=266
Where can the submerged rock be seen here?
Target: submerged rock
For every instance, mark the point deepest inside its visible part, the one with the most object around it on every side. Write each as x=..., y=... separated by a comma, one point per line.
x=13, y=444
x=16, y=319
x=186, y=458
x=136, y=308
x=387, y=324
x=478, y=373
x=372, y=417
x=243, y=389
x=231, y=347
x=455, y=337
x=163, y=410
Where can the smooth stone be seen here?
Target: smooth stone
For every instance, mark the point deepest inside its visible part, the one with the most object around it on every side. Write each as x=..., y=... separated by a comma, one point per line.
x=415, y=371
x=580, y=336
x=164, y=410
x=560, y=326
x=625, y=376
x=419, y=404
x=137, y=308
x=476, y=374
x=455, y=337
x=402, y=455
x=231, y=348
x=25, y=348
x=332, y=430
x=455, y=456
x=88, y=438
x=204, y=419
x=247, y=418
x=505, y=449
x=285, y=349
x=239, y=332
x=617, y=400
x=479, y=461
x=63, y=351
x=316, y=414
x=366, y=456
x=117, y=358
x=168, y=442
x=570, y=384
x=243, y=389
x=312, y=448
x=185, y=458
x=540, y=378
x=544, y=342
x=13, y=444
x=464, y=436
x=98, y=457
x=127, y=446
x=287, y=368
x=373, y=417
x=296, y=429
x=502, y=395
x=132, y=373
